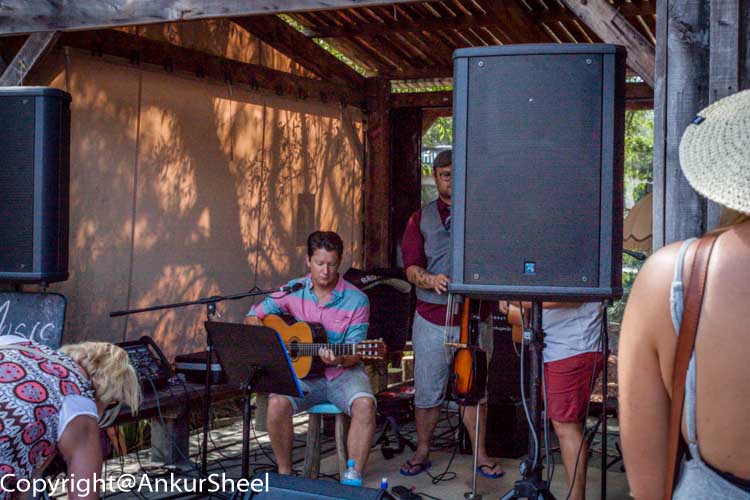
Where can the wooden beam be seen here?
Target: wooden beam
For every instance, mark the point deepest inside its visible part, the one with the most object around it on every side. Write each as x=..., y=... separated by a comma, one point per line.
x=290, y=42
x=378, y=174
x=28, y=16
x=419, y=73
x=200, y=64
x=724, y=68
x=612, y=27
x=637, y=96
x=36, y=46
x=422, y=99
x=681, y=91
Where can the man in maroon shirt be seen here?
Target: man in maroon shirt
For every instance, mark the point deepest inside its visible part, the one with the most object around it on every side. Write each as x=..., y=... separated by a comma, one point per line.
x=426, y=254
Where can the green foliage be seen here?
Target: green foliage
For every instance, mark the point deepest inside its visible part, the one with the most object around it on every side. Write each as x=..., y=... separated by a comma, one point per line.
x=439, y=134
x=639, y=151
x=433, y=88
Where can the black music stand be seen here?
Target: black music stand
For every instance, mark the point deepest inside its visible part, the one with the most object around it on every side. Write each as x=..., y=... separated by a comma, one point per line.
x=255, y=360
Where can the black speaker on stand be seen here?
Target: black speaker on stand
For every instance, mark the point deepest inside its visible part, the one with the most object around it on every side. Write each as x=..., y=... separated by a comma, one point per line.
x=537, y=171
x=537, y=190
x=34, y=184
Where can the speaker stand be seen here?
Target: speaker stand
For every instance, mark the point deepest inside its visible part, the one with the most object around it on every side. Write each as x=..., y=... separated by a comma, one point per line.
x=531, y=485
x=473, y=495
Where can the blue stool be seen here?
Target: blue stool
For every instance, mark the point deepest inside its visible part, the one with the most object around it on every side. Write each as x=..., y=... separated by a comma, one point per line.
x=312, y=451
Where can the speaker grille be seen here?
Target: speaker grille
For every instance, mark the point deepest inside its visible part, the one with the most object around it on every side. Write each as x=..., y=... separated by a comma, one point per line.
x=533, y=121
x=17, y=184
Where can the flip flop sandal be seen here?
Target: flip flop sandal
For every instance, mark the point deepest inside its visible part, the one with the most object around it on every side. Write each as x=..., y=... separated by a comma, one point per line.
x=421, y=467
x=490, y=475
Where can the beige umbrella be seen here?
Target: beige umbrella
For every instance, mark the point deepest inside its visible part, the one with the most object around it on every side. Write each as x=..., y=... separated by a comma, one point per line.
x=637, y=227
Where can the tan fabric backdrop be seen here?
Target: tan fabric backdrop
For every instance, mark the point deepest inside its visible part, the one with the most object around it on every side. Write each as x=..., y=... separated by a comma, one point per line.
x=182, y=189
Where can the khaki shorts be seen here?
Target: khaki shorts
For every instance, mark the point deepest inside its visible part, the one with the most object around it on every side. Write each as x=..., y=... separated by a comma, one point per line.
x=433, y=361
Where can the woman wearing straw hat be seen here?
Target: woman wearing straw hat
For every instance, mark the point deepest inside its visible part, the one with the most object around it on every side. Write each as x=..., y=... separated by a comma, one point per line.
x=666, y=302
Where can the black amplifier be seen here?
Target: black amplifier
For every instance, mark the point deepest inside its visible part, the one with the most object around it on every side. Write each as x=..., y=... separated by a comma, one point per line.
x=193, y=366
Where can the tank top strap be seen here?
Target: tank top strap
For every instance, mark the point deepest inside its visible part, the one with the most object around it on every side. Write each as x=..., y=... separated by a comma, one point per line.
x=690, y=405
x=677, y=291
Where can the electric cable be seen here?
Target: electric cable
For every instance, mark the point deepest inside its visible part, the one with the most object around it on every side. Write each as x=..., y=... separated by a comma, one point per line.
x=523, y=400
x=601, y=348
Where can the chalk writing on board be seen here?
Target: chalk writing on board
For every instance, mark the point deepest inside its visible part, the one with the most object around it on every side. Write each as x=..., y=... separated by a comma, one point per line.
x=38, y=331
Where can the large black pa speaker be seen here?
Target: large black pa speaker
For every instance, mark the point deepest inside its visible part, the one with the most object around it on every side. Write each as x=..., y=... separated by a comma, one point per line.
x=34, y=184
x=299, y=488
x=537, y=171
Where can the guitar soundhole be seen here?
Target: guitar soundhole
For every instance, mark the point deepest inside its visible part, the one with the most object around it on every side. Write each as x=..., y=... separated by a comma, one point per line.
x=293, y=348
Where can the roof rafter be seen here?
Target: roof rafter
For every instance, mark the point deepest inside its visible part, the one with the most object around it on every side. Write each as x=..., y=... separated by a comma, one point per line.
x=290, y=42
x=32, y=51
x=612, y=27
x=377, y=28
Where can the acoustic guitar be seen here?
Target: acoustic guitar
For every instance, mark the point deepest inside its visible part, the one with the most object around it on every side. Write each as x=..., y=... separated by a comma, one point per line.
x=304, y=340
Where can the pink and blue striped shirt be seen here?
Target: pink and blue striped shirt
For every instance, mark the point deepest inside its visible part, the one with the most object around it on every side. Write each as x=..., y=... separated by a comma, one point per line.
x=345, y=317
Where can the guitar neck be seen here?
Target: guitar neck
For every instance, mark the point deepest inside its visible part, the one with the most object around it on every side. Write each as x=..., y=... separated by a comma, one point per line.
x=303, y=349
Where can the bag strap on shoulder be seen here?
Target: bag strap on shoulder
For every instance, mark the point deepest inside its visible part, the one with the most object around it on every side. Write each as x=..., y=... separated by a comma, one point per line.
x=685, y=346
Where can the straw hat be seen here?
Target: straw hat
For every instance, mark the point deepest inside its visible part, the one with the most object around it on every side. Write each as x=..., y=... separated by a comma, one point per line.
x=715, y=152
x=638, y=226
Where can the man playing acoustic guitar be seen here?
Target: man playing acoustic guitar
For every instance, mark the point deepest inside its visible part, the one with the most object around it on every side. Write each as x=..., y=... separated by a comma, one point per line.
x=344, y=312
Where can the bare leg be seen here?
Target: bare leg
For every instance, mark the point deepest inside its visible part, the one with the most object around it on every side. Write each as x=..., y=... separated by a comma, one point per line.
x=570, y=435
x=426, y=419
x=281, y=431
x=361, y=431
x=470, y=413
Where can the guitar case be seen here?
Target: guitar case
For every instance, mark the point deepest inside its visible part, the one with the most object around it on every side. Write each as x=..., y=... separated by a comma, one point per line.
x=392, y=302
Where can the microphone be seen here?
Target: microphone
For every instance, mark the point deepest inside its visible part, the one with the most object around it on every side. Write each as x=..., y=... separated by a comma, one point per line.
x=292, y=288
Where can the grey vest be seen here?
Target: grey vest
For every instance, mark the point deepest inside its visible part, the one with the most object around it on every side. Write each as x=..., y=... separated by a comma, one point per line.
x=437, y=243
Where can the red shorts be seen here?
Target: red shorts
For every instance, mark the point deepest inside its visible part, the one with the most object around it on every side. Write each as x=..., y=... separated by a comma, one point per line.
x=569, y=385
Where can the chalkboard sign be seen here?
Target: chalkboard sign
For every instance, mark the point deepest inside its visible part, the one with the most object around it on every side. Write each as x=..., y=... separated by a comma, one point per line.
x=36, y=316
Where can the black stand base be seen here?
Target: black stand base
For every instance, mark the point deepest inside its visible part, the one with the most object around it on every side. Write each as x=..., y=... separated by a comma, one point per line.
x=535, y=489
x=385, y=441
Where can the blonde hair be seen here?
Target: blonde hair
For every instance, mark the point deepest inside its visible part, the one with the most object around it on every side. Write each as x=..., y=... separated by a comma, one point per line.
x=731, y=217
x=110, y=371
x=728, y=219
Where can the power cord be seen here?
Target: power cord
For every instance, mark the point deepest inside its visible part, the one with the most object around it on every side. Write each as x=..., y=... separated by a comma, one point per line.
x=447, y=474
x=523, y=400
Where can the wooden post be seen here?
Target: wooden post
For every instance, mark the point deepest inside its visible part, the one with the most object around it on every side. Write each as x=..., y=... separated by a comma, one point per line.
x=406, y=124
x=724, y=68
x=680, y=91
x=377, y=191
x=36, y=46
x=311, y=468
x=170, y=437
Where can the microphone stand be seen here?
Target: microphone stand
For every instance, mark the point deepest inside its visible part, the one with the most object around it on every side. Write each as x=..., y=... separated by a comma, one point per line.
x=210, y=303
